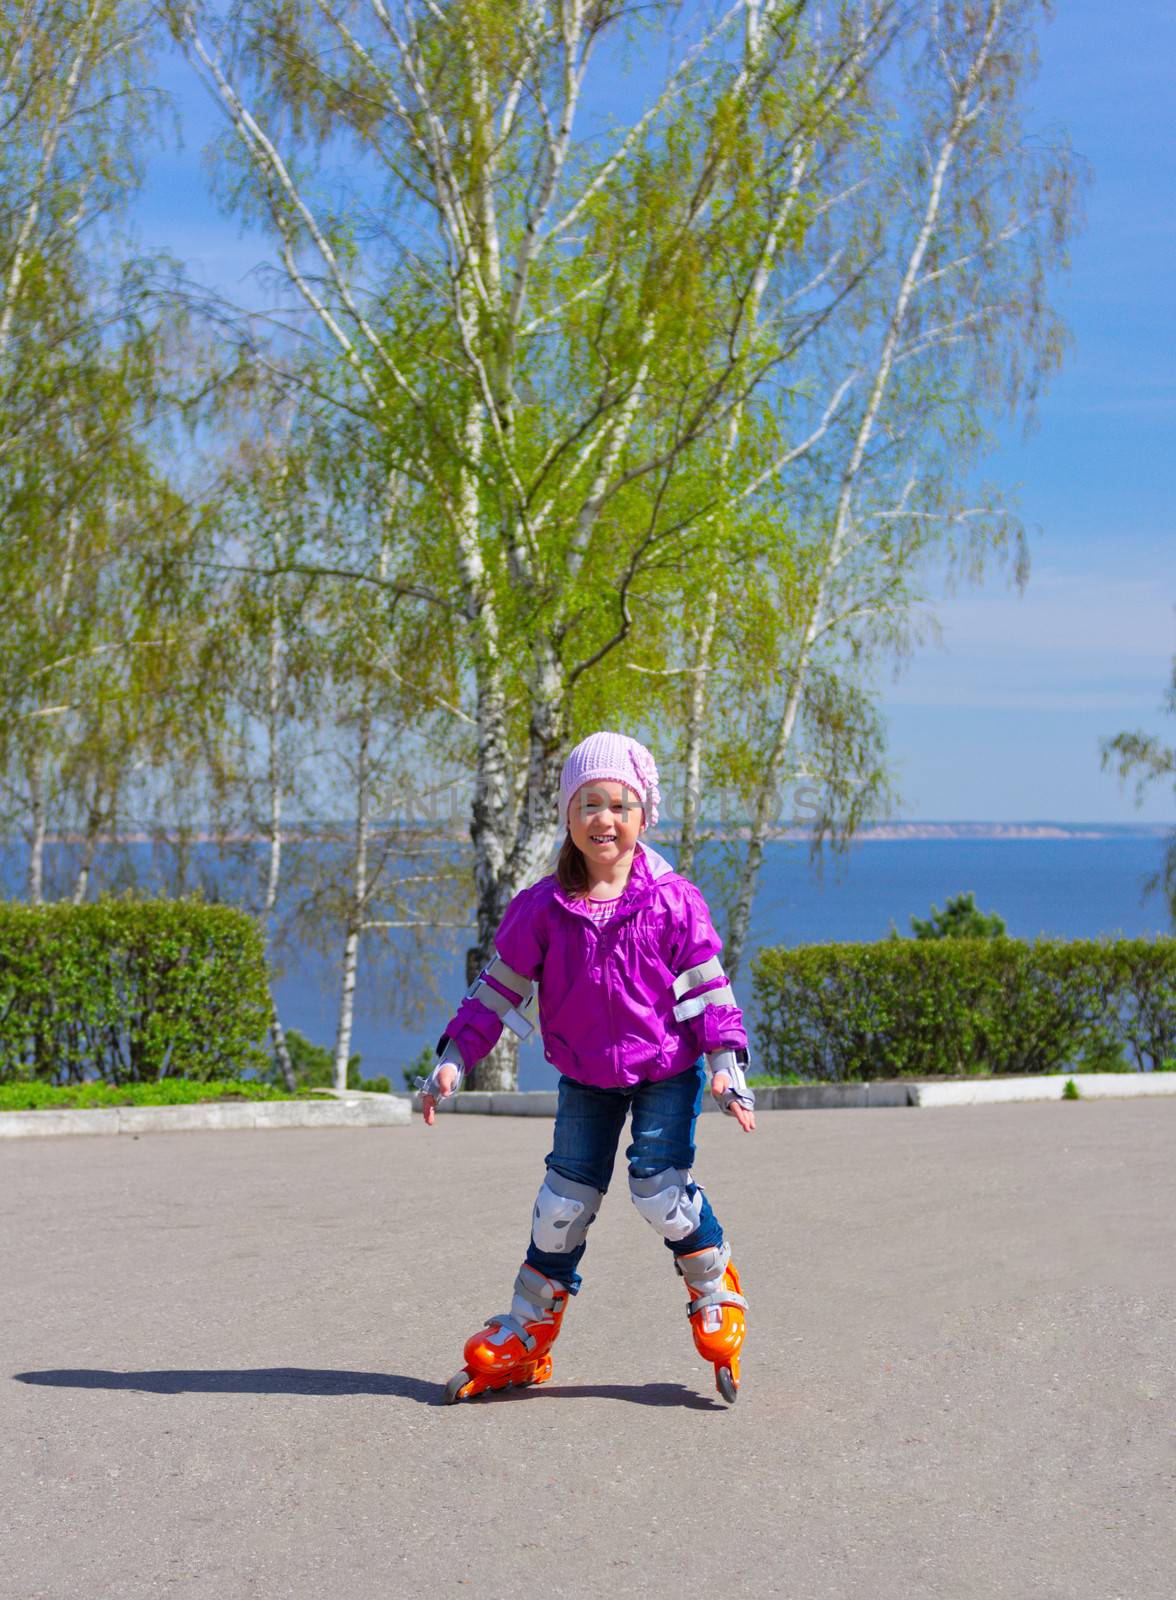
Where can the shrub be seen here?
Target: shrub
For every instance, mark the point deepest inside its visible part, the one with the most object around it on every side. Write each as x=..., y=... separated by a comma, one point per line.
x=131, y=992
x=420, y=1068
x=965, y=1007
x=959, y=919
x=314, y=1066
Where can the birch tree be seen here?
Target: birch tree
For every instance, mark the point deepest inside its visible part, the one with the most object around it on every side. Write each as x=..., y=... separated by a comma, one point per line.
x=88, y=398
x=370, y=888
x=75, y=106
x=966, y=217
x=540, y=322
x=270, y=659
x=97, y=664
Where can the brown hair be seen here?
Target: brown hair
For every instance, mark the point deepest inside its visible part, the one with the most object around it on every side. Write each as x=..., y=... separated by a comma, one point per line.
x=571, y=870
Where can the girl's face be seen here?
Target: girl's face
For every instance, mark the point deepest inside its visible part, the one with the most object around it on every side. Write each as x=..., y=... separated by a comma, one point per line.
x=604, y=820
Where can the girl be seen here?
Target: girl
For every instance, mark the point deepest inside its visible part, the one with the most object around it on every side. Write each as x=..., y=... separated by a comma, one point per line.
x=632, y=998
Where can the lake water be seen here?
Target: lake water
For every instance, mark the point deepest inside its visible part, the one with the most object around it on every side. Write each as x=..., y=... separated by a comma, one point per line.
x=1059, y=888
x=1066, y=888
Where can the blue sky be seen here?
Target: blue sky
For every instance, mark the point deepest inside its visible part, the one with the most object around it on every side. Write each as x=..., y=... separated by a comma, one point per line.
x=1001, y=722
x=1004, y=721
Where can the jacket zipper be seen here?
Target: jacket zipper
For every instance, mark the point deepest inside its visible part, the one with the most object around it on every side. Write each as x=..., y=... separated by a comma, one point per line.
x=603, y=953
x=604, y=950
x=613, y=1051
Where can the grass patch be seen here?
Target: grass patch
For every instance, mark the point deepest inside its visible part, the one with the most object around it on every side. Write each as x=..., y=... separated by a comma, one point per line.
x=764, y=1081
x=34, y=1096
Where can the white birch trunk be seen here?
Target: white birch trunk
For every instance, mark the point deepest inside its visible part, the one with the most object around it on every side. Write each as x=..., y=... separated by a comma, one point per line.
x=490, y=818
x=753, y=861
x=38, y=804
x=89, y=846
x=36, y=867
x=356, y=907
x=695, y=722
x=273, y=876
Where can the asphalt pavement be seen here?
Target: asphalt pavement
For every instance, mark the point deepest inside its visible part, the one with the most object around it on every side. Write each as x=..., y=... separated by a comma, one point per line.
x=223, y=1356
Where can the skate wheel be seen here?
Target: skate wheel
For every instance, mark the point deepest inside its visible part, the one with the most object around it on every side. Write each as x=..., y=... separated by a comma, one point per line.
x=453, y=1389
x=726, y=1385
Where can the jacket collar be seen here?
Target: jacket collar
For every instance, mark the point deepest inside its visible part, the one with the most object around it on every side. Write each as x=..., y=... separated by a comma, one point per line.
x=648, y=867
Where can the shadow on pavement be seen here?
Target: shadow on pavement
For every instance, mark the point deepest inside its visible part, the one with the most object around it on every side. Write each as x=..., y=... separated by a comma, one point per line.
x=249, y=1380
x=313, y=1381
x=640, y=1394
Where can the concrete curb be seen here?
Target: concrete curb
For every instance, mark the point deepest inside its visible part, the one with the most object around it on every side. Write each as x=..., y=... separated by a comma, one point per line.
x=786, y=1097
x=1091, y=1086
x=498, y=1103
x=830, y=1096
x=373, y=1111
x=354, y=1108
x=888, y=1094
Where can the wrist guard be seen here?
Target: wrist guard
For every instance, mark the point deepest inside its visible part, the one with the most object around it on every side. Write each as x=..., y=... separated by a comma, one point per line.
x=448, y=1055
x=734, y=1062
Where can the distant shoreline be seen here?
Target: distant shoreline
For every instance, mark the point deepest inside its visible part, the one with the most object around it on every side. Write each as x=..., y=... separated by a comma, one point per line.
x=873, y=832
x=1003, y=830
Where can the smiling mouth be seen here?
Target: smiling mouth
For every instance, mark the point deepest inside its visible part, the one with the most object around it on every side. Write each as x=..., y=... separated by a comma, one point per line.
x=610, y=838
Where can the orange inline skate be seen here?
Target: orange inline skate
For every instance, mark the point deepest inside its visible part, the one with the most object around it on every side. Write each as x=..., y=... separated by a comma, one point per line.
x=516, y=1351
x=717, y=1312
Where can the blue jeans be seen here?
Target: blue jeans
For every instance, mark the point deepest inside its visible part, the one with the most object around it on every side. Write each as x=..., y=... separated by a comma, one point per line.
x=588, y=1125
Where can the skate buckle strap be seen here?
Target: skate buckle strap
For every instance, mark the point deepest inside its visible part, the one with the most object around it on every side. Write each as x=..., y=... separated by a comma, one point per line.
x=547, y=1302
x=713, y=1270
x=716, y=1297
x=513, y=1324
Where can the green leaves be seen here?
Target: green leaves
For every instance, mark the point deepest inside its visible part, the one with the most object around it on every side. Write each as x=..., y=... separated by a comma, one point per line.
x=928, y=1007
x=959, y=919
x=1151, y=761
x=97, y=381
x=131, y=991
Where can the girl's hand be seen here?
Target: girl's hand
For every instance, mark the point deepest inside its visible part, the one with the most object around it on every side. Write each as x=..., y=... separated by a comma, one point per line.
x=720, y=1083
x=446, y=1077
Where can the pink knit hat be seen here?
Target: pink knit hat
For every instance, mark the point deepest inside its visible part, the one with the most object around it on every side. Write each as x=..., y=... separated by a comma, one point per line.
x=616, y=758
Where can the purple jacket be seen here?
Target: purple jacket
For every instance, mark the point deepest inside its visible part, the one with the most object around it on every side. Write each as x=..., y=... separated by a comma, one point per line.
x=606, y=997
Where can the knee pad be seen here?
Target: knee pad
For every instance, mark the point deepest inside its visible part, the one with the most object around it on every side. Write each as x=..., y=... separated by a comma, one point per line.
x=666, y=1203
x=564, y=1211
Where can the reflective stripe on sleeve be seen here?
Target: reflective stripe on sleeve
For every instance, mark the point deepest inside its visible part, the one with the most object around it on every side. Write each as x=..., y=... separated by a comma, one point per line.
x=696, y=975
x=712, y=997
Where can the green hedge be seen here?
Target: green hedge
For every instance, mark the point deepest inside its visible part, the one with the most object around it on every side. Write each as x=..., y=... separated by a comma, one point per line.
x=131, y=992
x=28, y=1094
x=921, y=1008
